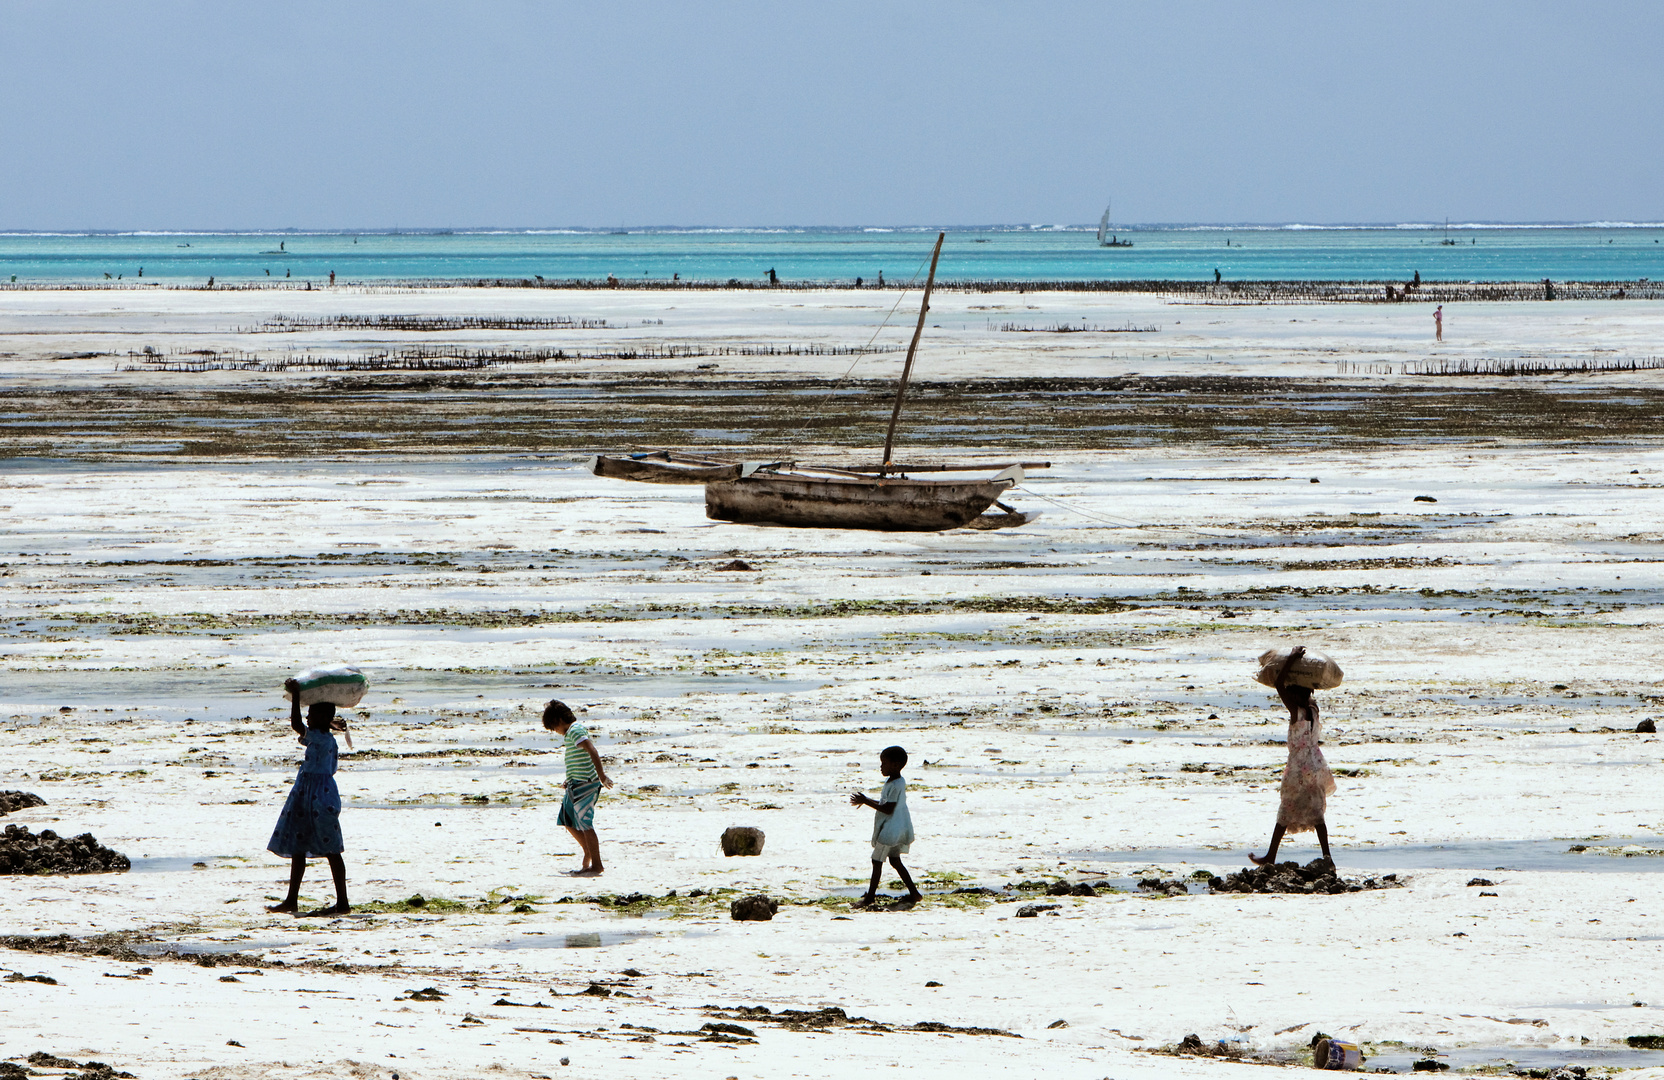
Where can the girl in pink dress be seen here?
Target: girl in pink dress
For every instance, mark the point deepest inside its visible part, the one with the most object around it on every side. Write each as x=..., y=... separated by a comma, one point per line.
x=1307, y=781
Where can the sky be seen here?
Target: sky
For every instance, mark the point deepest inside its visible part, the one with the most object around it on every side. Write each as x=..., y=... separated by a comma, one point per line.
x=186, y=115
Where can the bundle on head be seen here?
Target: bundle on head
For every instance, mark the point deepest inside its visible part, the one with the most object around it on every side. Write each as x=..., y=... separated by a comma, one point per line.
x=342, y=687
x=1312, y=670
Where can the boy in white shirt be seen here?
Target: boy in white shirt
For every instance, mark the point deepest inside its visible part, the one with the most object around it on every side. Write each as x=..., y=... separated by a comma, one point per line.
x=892, y=826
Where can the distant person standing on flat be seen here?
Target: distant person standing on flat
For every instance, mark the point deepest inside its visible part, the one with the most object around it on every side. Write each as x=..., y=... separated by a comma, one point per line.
x=1438, y=323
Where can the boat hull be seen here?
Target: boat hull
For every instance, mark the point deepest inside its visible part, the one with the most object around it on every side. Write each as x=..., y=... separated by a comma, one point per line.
x=891, y=505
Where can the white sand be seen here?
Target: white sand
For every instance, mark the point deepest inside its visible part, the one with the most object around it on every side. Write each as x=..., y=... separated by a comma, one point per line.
x=965, y=338
x=1057, y=742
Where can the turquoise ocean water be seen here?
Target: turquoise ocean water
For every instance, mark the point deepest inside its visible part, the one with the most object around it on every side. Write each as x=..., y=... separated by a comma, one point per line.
x=1479, y=253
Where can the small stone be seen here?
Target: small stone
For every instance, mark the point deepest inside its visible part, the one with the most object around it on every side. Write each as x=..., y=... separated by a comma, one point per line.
x=234, y=1042
x=1425, y=498
x=566, y=1061
x=1057, y=1024
x=737, y=564
x=229, y=978
x=1029, y=911
x=1646, y=727
x=742, y=840
x=933, y=982
x=1481, y=882
x=1429, y=1065
x=755, y=908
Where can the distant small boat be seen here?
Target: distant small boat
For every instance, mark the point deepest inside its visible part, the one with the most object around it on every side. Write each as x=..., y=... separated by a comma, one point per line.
x=1105, y=238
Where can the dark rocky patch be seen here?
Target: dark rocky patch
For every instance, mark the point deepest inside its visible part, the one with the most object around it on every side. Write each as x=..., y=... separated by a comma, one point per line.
x=1156, y=885
x=1646, y=727
x=755, y=908
x=1193, y=1046
x=1479, y=881
x=1317, y=877
x=18, y=800
x=1080, y=888
x=1030, y=911
x=833, y=1016
x=24, y=852
x=90, y=1070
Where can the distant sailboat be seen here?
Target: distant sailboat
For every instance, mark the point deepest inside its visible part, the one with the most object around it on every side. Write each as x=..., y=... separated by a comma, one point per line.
x=1105, y=238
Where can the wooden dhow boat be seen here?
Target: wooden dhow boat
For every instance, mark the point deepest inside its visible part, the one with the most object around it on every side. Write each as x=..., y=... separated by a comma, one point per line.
x=886, y=496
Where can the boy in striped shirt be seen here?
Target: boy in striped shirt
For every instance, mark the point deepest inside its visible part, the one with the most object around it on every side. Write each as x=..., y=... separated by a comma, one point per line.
x=585, y=777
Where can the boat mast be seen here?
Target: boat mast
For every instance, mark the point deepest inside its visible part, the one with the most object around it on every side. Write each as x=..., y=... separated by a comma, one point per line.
x=907, y=368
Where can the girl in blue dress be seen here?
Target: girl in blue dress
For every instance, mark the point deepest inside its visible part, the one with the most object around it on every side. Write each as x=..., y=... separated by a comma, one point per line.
x=310, y=824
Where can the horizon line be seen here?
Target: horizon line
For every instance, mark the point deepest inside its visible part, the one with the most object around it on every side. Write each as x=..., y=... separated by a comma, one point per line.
x=1027, y=227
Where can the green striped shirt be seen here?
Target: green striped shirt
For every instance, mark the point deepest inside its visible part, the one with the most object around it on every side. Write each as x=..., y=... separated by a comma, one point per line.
x=580, y=767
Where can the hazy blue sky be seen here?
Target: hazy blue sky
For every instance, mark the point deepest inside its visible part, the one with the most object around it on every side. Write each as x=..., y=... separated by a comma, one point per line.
x=339, y=114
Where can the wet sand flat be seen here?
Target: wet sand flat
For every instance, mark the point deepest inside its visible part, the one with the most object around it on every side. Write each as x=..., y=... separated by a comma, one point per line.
x=1075, y=694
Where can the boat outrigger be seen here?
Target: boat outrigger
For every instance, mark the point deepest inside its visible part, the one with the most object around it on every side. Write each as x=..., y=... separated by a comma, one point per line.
x=854, y=496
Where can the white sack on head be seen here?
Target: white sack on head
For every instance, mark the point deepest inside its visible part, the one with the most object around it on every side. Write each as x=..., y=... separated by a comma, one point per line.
x=1313, y=670
x=342, y=686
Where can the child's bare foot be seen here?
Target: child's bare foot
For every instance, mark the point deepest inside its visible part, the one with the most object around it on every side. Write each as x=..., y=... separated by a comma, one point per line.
x=1259, y=860
x=326, y=912
x=588, y=871
x=287, y=907
x=913, y=897
x=866, y=901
